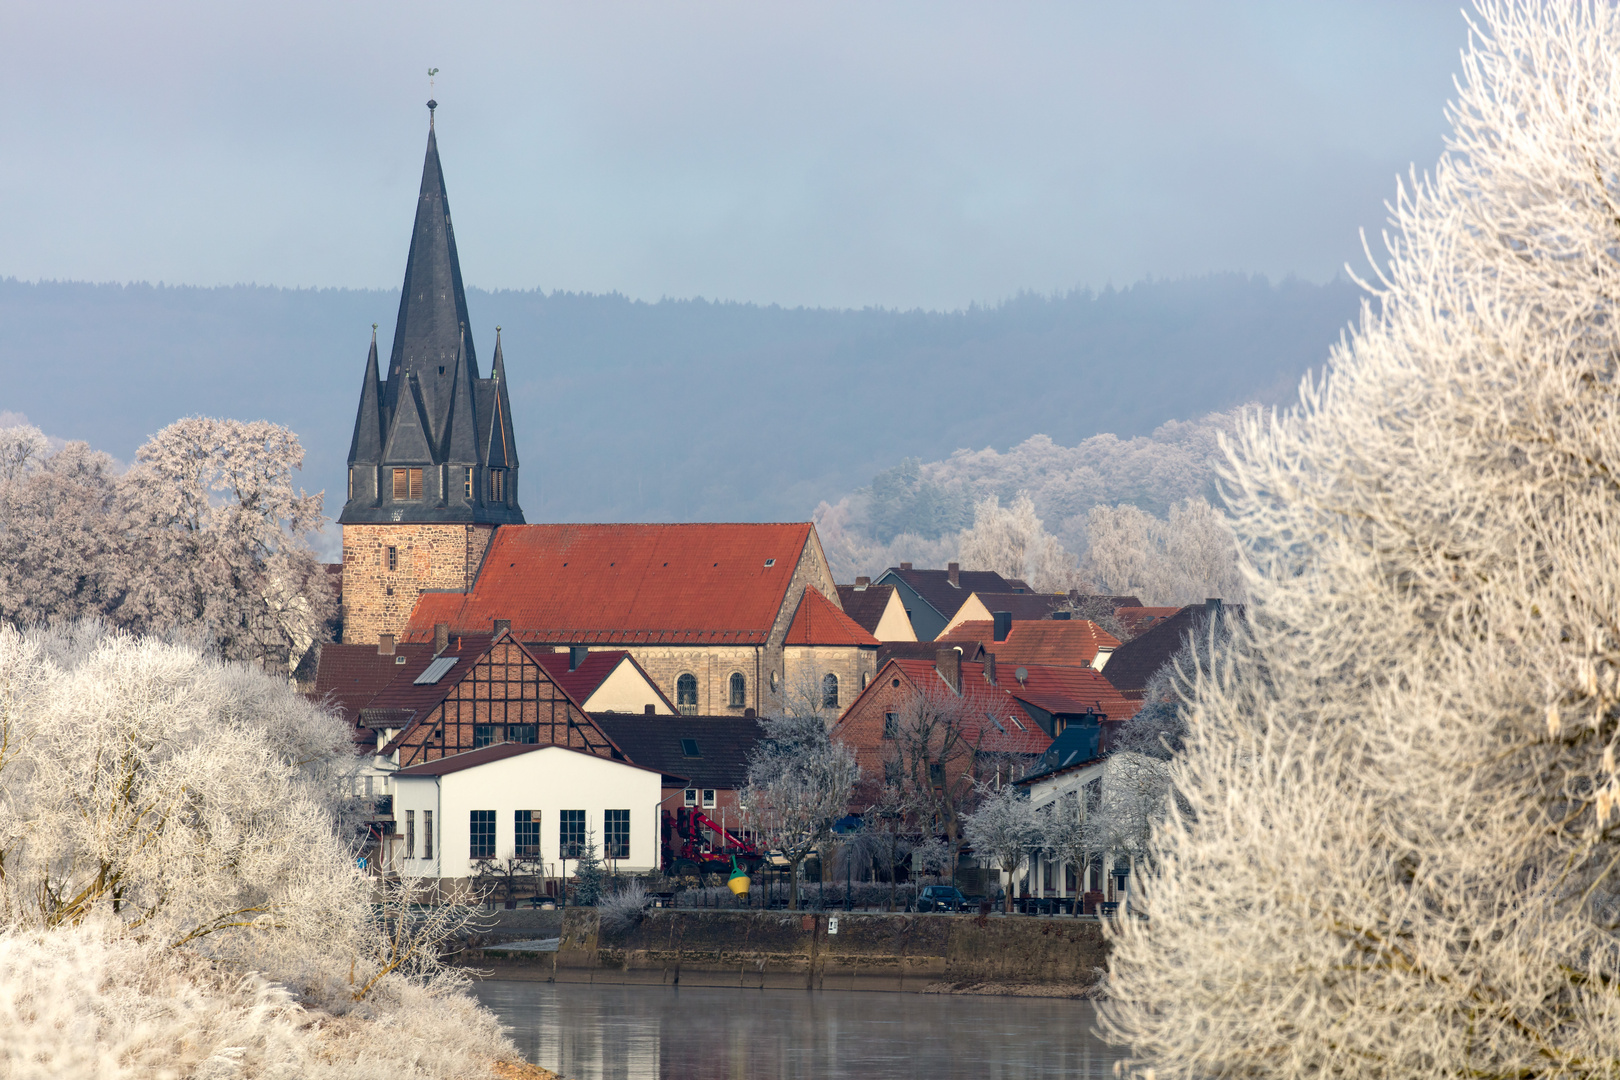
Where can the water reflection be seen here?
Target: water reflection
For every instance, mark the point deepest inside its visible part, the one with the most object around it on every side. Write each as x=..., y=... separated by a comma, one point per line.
x=643, y=1032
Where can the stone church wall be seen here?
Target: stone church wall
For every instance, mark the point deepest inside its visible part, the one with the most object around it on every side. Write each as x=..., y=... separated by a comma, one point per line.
x=378, y=600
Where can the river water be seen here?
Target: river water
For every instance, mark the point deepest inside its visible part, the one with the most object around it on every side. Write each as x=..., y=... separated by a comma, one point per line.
x=701, y=1033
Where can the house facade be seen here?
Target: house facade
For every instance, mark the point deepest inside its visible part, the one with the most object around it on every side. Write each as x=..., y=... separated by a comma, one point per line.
x=517, y=801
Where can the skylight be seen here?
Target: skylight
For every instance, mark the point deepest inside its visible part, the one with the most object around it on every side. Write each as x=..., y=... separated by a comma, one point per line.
x=689, y=748
x=435, y=671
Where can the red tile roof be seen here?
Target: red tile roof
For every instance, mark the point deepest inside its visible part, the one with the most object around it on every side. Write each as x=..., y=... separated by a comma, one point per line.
x=818, y=622
x=1067, y=690
x=584, y=680
x=1136, y=619
x=1059, y=642
x=349, y=676
x=402, y=700
x=626, y=584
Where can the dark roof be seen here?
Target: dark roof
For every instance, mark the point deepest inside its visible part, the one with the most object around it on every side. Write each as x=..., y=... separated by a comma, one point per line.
x=866, y=605
x=1136, y=661
x=636, y=584
x=498, y=752
x=1077, y=746
x=349, y=676
x=654, y=742
x=406, y=699
x=1135, y=618
x=432, y=408
x=926, y=650
x=935, y=587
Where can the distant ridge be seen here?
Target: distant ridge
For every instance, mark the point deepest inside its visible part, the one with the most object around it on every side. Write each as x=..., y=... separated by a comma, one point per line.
x=677, y=409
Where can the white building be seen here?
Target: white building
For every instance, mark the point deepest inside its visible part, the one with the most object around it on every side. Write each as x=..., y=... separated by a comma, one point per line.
x=524, y=800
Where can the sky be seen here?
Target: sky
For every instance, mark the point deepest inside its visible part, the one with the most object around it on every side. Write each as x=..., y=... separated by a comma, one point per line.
x=839, y=154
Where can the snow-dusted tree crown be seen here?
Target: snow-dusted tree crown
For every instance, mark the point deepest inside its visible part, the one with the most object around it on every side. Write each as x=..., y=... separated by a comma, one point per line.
x=1400, y=853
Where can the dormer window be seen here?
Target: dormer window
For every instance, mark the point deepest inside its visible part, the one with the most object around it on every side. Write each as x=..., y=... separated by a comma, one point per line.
x=407, y=484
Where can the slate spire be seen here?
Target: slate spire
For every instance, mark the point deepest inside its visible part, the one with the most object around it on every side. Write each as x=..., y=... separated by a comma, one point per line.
x=425, y=431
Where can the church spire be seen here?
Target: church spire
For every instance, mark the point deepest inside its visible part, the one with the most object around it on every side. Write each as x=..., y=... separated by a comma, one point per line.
x=422, y=436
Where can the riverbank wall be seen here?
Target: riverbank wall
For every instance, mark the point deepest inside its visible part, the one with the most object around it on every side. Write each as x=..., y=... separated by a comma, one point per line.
x=1046, y=957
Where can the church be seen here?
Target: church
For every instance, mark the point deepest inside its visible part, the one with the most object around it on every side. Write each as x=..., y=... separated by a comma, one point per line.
x=727, y=619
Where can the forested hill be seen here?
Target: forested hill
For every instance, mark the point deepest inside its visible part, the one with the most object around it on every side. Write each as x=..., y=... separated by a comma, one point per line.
x=676, y=410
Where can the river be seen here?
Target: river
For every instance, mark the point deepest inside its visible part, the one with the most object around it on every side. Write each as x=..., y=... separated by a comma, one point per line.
x=700, y=1033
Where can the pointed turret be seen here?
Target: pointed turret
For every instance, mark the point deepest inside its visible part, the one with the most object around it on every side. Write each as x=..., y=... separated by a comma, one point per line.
x=423, y=436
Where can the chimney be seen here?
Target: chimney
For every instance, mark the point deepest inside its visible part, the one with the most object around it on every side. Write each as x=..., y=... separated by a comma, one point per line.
x=1001, y=621
x=905, y=566
x=954, y=572
x=385, y=644
x=441, y=637
x=1074, y=597
x=576, y=656
x=990, y=668
x=650, y=710
x=862, y=582
x=502, y=626
x=948, y=662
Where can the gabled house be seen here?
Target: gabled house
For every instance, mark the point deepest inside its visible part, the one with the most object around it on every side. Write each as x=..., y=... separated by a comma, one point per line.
x=477, y=691
x=1139, y=659
x=932, y=597
x=1048, y=642
x=704, y=608
x=605, y=681
x=347, y=677
x=1024, y=607
x=703, y=759
x=878, y=609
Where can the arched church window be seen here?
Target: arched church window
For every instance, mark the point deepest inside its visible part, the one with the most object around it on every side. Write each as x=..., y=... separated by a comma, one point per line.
x=739, y=690
x=686, y=694
x=829, y=691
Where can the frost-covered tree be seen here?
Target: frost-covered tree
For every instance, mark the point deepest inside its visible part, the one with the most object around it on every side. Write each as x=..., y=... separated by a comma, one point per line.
x=1064, y=834
x=218, y=539
x=1401, y=841
x=799, y=783
x=1173, y=562
x=1013, y=541
x=1003, y=831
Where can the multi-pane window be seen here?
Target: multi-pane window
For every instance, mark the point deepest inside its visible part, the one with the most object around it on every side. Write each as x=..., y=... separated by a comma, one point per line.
x=891, y=725
x=497, y=485
x=407, y=484
x=427, y=834
x=570, y=834
x=829, y=691
x=393, y=557
x=483, y=735
x=739, y=690
x=481, y=835
x=686, y=694
x=616, y=834
x=708, y=798
x=469, y=483
x=523, y=733
x=526, y=834
x=410, y=834
x=691, y=796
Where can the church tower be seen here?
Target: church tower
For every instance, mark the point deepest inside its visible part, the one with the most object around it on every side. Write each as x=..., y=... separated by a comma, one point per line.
x=433, y=466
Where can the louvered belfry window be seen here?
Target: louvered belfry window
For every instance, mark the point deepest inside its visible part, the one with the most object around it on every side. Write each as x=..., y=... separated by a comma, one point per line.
x=407, y=484
x=497, y=485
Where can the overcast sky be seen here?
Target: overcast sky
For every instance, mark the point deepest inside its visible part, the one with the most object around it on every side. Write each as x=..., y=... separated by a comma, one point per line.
x=827, y=153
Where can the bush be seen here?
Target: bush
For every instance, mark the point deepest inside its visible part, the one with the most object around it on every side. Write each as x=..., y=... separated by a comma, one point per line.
x=622, y=911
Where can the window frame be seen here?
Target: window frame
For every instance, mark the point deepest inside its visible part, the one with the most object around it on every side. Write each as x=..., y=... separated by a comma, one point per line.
x=393, y=558
x=737, y=690
x=481, y=834
x=526, y=823
x=615, y=834
x=891, y=725
x=427, y=834
x=497, y=485
x=410, y=834
x=708, y=798
x=691, y=796
x=829, y=691
x=408, y=483
x=686, y=708
x=570, y=842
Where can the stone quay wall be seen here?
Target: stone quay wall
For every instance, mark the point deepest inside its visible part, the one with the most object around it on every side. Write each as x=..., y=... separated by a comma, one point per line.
x=818, y=951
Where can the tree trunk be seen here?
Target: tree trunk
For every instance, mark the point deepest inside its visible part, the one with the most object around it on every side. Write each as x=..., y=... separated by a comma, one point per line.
x=793, y=884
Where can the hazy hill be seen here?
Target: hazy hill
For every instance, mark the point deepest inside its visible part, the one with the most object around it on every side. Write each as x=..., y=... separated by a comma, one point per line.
x=676, y=410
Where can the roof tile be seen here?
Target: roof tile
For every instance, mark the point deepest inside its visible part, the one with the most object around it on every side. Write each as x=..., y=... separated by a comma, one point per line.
x=818, y=622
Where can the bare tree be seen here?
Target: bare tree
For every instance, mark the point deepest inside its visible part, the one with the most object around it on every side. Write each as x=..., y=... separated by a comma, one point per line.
x=1003, y=830
x=799, y=783
x=1064, y=831
x=1400, y=852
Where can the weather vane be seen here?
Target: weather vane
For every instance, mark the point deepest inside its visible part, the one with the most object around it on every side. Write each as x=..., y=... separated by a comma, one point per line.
x=431, y=72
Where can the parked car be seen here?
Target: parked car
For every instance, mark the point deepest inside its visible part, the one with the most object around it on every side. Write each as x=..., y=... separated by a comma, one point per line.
x=941, y=898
